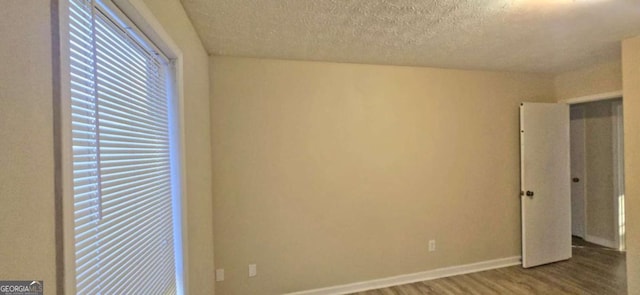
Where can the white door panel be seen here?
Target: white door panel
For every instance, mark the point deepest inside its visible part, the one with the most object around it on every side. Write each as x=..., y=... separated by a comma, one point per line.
x=545, y=183
x=578, y=174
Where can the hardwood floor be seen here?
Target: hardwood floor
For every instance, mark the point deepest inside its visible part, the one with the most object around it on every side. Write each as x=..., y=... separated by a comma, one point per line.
x=592, y=270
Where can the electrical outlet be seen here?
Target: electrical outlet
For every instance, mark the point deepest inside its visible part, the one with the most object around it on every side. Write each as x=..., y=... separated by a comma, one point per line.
x=432, y=245
x=219, y=274
x=253, y=270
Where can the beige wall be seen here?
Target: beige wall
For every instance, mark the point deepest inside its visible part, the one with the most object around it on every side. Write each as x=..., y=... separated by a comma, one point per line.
x=599, y=168
x=328, y=173
x=27, y=247
x=631, y=89
x=595, y=79
x=27, y=250
x=197, y=143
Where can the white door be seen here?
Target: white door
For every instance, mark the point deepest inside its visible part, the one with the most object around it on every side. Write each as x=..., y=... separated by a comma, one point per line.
x=577, y=171
x=545, y=183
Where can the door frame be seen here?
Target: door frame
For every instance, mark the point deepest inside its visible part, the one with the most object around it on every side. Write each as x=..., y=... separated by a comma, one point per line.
x=618, y=174
x=618, y=159
x=592, y=98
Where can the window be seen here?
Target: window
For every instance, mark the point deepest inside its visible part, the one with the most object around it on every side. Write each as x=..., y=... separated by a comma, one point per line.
x=126, y=234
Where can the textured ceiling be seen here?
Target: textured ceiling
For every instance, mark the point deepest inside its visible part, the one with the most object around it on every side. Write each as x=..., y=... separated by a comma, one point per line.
x=512, y=35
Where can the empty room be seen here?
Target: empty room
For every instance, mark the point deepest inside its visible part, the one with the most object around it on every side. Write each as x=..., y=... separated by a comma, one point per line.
x=319, y=147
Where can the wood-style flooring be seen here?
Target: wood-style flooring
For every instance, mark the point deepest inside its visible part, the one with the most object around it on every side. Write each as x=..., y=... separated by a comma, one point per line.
x=592, y=270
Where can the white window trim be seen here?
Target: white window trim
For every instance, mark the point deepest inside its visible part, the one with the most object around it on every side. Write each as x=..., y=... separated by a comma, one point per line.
x=145, y=21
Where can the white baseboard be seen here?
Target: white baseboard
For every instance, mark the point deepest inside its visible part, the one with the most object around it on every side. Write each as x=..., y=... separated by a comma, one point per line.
x=601, y=241
x=414, y=277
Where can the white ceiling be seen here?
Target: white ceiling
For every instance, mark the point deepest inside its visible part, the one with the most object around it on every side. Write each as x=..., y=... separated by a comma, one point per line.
x=512, y=35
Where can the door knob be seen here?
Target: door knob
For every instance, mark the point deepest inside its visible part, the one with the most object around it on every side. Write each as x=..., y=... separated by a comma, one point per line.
x=529, y=194
x=575, y=179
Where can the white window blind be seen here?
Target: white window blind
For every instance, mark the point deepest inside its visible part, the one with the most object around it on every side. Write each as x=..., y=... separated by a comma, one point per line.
x=122, y=168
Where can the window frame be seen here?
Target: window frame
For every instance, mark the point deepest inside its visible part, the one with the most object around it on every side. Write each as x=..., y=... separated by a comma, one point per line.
x=138, y=17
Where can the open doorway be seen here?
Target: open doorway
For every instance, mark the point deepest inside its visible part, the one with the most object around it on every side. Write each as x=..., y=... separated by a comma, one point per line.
x=597, y=172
